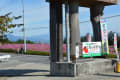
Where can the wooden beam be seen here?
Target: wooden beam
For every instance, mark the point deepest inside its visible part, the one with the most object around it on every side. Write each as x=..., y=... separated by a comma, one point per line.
x=59, y=33
x=88, y=3
x=56, y=32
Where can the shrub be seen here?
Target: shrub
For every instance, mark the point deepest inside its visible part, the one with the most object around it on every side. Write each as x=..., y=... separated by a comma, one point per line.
x=8, y=50
x=30, y=52
x=111, y=56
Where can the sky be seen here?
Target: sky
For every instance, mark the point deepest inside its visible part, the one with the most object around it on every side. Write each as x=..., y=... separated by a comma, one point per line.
x=37, y=17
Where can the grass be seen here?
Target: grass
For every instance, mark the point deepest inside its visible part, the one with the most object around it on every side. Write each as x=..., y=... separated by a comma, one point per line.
x=8, y=50
x=111, y=56
x=30, y=52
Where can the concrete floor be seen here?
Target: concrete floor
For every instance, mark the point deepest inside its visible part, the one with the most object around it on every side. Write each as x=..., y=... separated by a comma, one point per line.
x=30, y=67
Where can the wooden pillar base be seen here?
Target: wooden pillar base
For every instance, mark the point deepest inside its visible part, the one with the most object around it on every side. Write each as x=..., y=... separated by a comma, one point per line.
x=56, y=32
x=74, y=28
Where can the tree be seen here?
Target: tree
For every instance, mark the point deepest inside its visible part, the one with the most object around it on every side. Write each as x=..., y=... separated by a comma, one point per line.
x=6, y=24
x=83, y=38
x=111, y=38
x=65, y=40
x=20, y=41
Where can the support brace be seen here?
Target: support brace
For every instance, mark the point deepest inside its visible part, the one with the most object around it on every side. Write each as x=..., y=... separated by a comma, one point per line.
x=95, y=14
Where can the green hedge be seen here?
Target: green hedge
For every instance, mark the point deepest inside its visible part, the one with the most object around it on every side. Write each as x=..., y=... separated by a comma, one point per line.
x=111, y=56
x=8, y=50
x=30, y=52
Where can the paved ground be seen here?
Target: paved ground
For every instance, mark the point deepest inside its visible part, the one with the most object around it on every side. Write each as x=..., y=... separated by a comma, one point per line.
x=30, y=67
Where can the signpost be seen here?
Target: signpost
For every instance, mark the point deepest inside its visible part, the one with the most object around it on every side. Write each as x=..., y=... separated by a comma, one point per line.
x=115, y=46
x=77, y=51
x=104, y=37
x=91, y=49
x=67, y=30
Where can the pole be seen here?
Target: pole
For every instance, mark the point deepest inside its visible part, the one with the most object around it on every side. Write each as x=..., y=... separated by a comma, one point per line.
x=115, y=46
x=24, y=27
x=67, y=30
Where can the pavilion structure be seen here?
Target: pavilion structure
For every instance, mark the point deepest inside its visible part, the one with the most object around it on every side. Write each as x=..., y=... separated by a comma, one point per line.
x=56, y=24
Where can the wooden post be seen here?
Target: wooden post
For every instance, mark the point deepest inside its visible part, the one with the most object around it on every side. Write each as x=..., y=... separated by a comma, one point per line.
x=74, y=28
x=59, y=32
x=56, y=32
x=95, y=14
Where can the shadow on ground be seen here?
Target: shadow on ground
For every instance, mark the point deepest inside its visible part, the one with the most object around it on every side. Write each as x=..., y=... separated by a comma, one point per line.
x=22, y=72
x=109, y=75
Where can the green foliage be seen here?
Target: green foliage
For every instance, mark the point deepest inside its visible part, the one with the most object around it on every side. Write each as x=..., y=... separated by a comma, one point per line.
x=83, y=39
x=111, y=56
x=5, y=40
x=65, y=40
x=8, y=50
x=29, y=42
x=118, y=41
x=30, y=52
x=22, y=41
x=6, y=24
x=111, y=37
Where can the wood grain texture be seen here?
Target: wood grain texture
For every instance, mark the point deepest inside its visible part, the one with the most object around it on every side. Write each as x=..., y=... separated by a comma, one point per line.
x=56, y=32
x=74, y=28
x=88, y=3
x=96, y=13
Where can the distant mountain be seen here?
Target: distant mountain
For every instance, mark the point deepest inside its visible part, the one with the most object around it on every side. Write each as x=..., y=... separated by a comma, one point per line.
x=36, y=39
x=13, y=38
x=41, y=38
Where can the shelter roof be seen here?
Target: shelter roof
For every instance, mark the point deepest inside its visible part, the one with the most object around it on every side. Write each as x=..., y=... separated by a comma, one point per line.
x=88, y=3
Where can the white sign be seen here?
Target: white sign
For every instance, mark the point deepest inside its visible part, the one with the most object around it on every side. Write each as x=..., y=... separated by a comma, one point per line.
x=93, y=48
x=77, y=51
x=104, y=32
x=115, y=42
x=104, y=36
x=115, y=45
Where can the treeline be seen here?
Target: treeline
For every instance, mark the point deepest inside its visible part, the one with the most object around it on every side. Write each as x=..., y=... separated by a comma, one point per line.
x=110, y=39
x=20, y=41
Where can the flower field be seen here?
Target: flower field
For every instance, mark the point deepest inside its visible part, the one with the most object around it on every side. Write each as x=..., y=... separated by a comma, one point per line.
x=38, y=47
x=33, y=47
